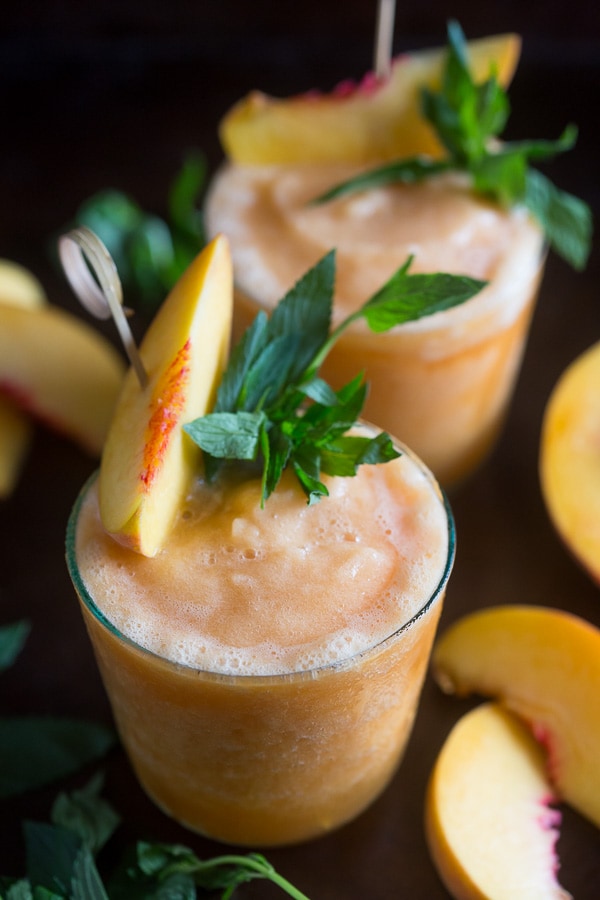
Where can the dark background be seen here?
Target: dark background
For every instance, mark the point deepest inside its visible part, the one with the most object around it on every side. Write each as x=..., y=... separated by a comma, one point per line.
x=114, y=94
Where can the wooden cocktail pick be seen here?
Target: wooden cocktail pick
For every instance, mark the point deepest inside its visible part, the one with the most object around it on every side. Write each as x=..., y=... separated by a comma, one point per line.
x=82, y=252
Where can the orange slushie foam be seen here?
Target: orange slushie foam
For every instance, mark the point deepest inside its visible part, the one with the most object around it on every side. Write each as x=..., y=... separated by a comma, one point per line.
x=265, y=668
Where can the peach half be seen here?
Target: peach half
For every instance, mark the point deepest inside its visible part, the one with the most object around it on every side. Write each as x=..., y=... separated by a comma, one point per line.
x=543, y=665
x=570, y=459
x=148, y=461
x=374, y=120
x=489, y=828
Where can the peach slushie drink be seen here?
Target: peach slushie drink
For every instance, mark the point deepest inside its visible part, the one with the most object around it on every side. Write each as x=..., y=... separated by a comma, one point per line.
x=441, y=384
x=411, y=164
x=262, y=620
x=264, y=669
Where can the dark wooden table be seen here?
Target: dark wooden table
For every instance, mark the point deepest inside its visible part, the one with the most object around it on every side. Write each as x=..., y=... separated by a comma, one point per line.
x=115, y=96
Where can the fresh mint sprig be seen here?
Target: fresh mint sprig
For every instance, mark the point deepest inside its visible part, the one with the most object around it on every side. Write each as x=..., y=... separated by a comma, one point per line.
x=468, y=119
x=173, y=870
x=61, y=861
x=273, y=405
x=150, y=252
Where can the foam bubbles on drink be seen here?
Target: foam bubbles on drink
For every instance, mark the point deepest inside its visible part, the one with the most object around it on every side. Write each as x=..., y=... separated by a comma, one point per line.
x=290, y=588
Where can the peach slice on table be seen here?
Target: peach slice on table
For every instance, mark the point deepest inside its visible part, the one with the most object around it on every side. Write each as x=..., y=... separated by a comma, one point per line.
x=570, y=459
x=149, y=462
x=15, y=438
x=543, y=665
x=18, y=287
x=489, y=828
x=374, y=120
x=60, y=370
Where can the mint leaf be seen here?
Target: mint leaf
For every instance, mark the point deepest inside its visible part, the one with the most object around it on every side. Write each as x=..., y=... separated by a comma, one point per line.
x=406, y=297
x=406, y=171
x=35, y=750
x=567, y=220
x=228, y=435
x=87, y=814
x=465, y=115
x=15, y=889
x=468, y=119
x=86, y=883
x=305, y=313
x=51, y=851
x=261, y=411
x=12, y=641
x=244, y=355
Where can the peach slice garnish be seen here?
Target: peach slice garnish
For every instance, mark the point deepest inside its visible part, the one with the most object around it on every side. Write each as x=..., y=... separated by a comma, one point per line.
x=148, y=462
x=570, y=459
x=544, y=665
x=374, y=120
x=489, y=828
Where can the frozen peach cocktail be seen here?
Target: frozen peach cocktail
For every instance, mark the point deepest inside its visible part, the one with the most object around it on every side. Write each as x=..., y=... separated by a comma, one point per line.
x=441, y=384
x=261, y=621
x=264, y=669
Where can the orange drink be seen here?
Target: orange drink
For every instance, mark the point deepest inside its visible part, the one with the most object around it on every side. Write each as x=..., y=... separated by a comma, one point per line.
x=264, y=668
x=440, y=384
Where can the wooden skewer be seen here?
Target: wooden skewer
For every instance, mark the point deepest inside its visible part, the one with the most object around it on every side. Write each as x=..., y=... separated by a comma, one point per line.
x=384, y=35
x=105, y=297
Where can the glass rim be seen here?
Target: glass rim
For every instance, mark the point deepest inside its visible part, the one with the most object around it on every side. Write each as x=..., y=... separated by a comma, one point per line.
x=272, y=677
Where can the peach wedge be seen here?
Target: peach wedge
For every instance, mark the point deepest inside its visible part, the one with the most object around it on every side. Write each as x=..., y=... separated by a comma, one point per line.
x=18, y=287
x=544, y=665
x=569, y=459
x=371, y=121
x=149, y=462
x=60, y=370
x=15, y=439
x=489, y=828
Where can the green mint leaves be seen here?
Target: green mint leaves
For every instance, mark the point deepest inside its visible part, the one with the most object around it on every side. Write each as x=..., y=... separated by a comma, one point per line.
x=262, y=409
x=150, y=252
x=61, y=861
x=37, y=750
x=468, y=119
x=12, y=641
x=172, y=870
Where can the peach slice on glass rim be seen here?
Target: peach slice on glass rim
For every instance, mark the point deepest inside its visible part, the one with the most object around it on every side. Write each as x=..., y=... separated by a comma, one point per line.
x=148, y=461
x=371, y=121
x=489, y=828
x=544, y=665
x=570, y=459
